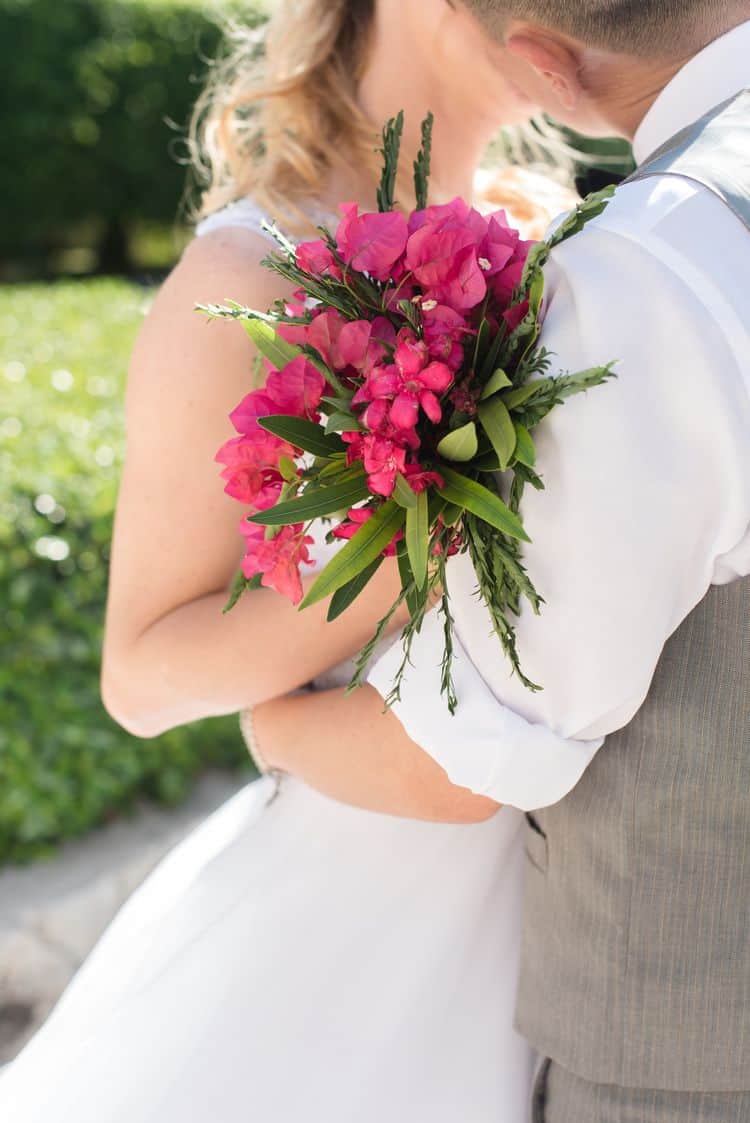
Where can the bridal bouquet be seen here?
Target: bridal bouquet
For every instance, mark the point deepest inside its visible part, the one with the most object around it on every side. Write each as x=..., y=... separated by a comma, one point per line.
x=405, y=384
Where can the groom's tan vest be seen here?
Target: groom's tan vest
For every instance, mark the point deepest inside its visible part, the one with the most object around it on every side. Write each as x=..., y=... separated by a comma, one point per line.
x=636, y=961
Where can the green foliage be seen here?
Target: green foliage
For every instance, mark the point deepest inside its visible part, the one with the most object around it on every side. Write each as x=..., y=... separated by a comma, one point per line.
x=64, y=765
x=96, y=94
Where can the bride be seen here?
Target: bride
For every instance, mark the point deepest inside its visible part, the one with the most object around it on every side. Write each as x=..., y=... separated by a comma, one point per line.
x=295, y=958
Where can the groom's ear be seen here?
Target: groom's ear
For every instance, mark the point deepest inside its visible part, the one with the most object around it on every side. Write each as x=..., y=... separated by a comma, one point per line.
x=554, y=62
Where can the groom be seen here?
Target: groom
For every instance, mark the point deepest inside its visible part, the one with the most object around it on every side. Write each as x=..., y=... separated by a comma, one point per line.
x=634, y=762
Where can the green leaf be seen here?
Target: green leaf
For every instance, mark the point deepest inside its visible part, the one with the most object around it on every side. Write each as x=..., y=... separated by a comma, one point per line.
x=403, y=494
x=270, y=344
x=461, y=445
x=418, y=538
x=480, y=501
x=525, y=451
x=482, y=345
x=288, y=468
x=517, y=397
x=342, y=423
x=359, y=552
x=341, y=404
x=303, y=434
x=498, y=381
x=499, y=428
x=240, y=586
x=452, y=513
x=348, y=593
x=414, y=599
x=314, y=504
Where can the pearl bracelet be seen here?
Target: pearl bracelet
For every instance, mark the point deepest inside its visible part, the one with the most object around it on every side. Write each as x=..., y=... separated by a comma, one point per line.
x=247, y=728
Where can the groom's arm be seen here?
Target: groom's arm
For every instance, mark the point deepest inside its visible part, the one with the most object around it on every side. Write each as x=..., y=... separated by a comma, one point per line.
x=647, y=502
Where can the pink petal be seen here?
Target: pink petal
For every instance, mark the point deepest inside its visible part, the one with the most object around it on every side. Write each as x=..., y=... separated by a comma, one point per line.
x=436, y=376
x=382, y=482
x=254, y=405
x=405, y=411
x=431, y=406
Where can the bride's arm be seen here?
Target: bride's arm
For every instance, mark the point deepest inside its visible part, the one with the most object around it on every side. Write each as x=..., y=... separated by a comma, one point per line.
x=170, y=656
x=346, y=747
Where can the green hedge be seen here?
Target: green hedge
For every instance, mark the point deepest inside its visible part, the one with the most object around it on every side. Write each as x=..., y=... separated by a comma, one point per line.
x=64, y=765
x=96, y=94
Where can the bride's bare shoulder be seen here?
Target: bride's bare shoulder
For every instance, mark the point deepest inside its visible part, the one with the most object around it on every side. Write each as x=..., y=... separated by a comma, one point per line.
x=222, y=257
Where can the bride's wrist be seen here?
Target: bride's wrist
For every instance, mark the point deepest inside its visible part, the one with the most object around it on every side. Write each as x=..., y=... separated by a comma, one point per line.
x=257, y=733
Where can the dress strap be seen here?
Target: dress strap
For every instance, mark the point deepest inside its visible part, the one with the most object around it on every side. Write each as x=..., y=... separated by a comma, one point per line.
x=244, y=213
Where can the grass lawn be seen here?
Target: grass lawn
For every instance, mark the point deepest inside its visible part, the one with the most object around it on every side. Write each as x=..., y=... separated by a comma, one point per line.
x=64, y=765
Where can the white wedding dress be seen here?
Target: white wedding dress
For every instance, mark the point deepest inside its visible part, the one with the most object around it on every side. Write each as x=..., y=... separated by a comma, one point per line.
x=297, y=959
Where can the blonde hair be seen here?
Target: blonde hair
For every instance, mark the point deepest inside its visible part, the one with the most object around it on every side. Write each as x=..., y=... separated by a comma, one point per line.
x=280, y=114
x=280, y=110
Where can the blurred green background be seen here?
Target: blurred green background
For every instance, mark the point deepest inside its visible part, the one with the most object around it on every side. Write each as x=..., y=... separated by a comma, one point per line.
x=96, y=96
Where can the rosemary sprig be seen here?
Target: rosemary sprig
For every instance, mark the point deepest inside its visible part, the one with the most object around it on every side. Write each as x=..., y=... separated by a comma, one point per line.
x=422, y=164
x=391, y=153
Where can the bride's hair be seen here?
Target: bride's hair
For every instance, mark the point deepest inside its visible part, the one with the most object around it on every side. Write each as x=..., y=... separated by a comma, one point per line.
x=280, y=108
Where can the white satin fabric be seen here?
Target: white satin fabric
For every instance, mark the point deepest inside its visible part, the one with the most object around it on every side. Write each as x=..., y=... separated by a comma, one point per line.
x=297, y=960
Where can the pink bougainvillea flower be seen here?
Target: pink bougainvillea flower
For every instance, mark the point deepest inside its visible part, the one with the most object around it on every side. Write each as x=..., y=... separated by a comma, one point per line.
x=371, y=243
x=503, y=256
x=297, y=389
x=383, y=459
x=442, y=253
x=316, y=258
x=278, y=559
x=323, y=334
x=251, y=463
x=355, y=520
x=254, y=405
x=453, y=215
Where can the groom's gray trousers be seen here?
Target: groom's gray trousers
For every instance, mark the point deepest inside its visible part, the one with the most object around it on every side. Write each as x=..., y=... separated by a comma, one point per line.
x=561, y=1097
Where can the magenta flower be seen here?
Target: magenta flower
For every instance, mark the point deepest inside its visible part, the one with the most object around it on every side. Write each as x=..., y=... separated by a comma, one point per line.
x=297, y=389
x=371, y=243
x=503, y=256
x=516, y=314
x=408, y=388
x=251, y=467
x=356, y=519
x=316, y=257
x=444, y=331
x=278, y=559
x=419, y=479
x=383, y=460
x=254, y=405
x=442, y=253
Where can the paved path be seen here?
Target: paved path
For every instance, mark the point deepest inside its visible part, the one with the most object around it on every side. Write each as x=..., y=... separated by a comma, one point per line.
x=53, y=912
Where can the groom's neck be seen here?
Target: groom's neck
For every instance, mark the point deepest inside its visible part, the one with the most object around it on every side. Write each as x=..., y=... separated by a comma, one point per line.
x=631, y=90
x=625, y=87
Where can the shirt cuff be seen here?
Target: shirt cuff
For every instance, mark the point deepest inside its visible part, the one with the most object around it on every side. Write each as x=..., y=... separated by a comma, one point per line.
x=485, y=747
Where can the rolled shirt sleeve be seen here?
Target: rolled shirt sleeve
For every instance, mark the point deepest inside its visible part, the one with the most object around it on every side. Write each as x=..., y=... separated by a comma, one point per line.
x=479, y=748
x=647, y=503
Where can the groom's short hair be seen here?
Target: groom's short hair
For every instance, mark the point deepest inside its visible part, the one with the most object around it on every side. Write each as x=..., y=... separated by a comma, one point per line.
x=648, y=27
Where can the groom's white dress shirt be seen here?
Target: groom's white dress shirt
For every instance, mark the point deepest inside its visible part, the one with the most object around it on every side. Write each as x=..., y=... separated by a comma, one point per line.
x=647, y=500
